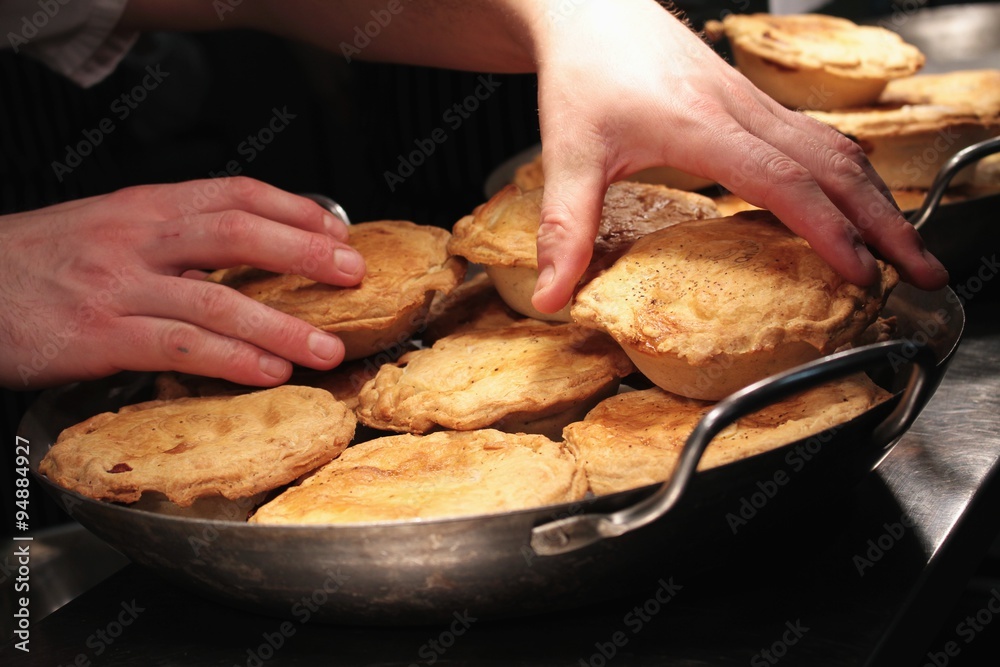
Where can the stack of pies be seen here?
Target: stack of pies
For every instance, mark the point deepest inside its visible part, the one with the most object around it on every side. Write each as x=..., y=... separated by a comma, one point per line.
x=864, y=81
x=815, y=61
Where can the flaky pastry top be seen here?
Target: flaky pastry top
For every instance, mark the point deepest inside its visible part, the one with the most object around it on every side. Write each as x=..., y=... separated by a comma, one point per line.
x=728, y=286
x=405, y=263
x=188, y=448
x=475, y=379
x=445, y=474
x=899, y=121
x=822, y=42
x=635, y=438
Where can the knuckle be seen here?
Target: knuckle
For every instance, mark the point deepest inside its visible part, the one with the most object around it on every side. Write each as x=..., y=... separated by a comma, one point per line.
x=782, y=171
x=235, y=226
x=245, y=188
x=318, y=250
x=213, y=301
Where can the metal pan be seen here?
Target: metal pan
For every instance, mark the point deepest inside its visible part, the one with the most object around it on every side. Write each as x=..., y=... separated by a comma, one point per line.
x=528, y=561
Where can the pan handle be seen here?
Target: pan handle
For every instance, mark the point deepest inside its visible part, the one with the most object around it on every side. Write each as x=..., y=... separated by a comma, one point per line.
x=575, y=532
x=955, y=164
x=329, y=204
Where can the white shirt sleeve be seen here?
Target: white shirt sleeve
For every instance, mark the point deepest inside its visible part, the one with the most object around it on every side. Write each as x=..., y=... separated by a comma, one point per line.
x=77, y=38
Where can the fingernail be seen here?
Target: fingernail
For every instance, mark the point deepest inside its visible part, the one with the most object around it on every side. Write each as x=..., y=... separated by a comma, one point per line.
x=349, y=261
x=867, y=260
x=323, y=345
x=545, y=278
x=273, y=366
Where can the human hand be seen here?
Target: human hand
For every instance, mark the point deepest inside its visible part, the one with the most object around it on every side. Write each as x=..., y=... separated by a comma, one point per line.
x=624, y=86
x=113, y=282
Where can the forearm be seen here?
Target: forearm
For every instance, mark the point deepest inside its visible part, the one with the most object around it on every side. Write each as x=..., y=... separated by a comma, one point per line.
x=483, y=35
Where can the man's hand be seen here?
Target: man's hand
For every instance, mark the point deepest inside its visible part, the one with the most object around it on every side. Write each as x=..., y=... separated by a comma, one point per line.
x=625, y=85
x=113, y=283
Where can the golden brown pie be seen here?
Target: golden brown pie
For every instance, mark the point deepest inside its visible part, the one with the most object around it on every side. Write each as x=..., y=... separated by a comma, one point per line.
x=446, y=474
x=531, y=175
x=707, y=307
x=635, y=438
x=190, y=448
x=406, y=265
x=532, y=376
x=908, y=145
x=816, y=61
x=502, y=234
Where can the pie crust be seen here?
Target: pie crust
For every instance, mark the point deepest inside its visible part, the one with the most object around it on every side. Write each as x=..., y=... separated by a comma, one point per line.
x=190, y=448
x=707, y=307
x=406, y=264
x=441, y=475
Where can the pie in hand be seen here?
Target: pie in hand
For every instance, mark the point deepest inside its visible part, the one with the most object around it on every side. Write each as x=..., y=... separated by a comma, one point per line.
x=502, y=234
x=406, y=264
x=707, y=307
x=532, y=376
x=441, y=475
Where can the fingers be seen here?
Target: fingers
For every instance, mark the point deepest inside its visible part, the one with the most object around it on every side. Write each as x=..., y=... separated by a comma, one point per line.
x=570, y=217
x=239, y=193
x=153, y=344
x=217, y=309
x=846, y=176
x=829, y=176
x=232, y=237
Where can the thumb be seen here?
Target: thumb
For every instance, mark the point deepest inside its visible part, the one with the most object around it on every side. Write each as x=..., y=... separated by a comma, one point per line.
x=570, y=217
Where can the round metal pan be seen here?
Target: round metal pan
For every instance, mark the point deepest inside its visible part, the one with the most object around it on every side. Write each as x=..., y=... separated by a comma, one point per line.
x=528, y=561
